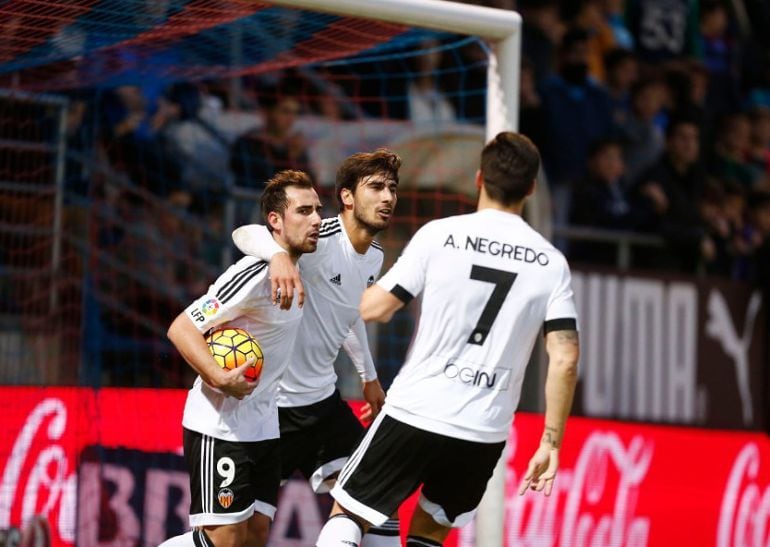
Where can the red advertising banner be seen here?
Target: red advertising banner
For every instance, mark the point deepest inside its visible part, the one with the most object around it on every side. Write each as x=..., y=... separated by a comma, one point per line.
x=634, y=485
x=103, y=467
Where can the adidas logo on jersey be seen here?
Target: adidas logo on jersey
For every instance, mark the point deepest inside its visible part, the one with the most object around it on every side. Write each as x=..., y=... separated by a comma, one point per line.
x=337, y=279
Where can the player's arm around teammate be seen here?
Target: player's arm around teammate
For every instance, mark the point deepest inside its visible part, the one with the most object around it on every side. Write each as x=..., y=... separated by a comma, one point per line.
x=286, y=283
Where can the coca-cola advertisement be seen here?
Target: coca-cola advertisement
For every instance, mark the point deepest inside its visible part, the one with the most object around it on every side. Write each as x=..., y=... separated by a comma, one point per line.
x=671, y=349
x=104, y=467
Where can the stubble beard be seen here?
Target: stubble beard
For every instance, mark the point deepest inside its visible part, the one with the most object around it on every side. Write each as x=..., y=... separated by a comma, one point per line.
x=371, y=228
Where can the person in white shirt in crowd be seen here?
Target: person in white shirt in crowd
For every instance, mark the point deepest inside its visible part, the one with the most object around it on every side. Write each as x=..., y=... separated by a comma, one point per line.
x=318, y=429
x=231, y=423
x=489, y=284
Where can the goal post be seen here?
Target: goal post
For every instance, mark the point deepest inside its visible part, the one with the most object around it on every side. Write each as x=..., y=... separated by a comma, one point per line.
x=502, y=29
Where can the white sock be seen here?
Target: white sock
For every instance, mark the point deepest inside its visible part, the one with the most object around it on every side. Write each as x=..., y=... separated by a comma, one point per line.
x=339, y=531
x=185, y=540
x=386, y=535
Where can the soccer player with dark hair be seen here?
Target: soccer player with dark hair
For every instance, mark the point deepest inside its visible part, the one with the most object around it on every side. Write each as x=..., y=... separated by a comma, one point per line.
x=318, y=429
x=489, y=284
x=230, y=423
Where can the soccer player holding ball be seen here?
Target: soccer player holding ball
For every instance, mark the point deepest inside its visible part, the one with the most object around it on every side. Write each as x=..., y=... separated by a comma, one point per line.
x=318, y=429
x=231, y=421
x=489, y=284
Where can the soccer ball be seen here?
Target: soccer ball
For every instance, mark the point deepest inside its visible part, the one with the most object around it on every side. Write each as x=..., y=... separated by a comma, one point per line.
x=231, y=347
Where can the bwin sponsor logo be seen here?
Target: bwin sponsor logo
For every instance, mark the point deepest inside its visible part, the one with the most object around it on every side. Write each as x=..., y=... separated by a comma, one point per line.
x=496, y=379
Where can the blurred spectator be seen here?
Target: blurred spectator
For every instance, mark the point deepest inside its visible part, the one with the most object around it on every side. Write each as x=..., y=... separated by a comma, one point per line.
x=613, y=12
x=325, y=97
x=531, y=114
x=197, y=140
x=759, y=219
x=259, y=154
x=759, y=154
x=600, y=201
x=622, y=73
x=744, y=239
x=687, y=83
x=719, y=233
x=578, y=113
x=426, y=101
x=732, y=149
x=601, y=39
x=134, y=138
x=667, y=194
x=663, y=30
x=720, y=56
x=542, y=31
x=642, y=137
x=759, y=90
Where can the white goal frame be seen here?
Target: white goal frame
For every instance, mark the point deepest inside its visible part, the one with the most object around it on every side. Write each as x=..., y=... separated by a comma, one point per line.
x=502, y=29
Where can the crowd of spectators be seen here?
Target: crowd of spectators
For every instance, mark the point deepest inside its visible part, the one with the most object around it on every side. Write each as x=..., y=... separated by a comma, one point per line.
x=652, y=116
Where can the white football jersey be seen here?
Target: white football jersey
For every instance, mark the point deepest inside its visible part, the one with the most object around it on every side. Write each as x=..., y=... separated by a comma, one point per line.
x=490, y=284
x=335, y=277
x=241, y=297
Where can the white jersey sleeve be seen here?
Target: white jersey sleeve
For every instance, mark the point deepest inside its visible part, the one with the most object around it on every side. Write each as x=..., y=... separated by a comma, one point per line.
x=357, y=348
x=406, y=279
x=560, y=311
x=227, y=298
x=256, y=240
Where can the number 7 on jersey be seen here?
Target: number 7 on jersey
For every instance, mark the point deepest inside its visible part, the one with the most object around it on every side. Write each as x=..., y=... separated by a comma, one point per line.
x=503, y=282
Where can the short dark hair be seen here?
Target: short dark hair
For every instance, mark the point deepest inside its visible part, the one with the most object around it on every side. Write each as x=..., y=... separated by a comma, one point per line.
x=274, y=198
x=365, y=164
x=574, y=35
x=601, y=144
x=509, y=165
x=679, y=120
x=616, y=56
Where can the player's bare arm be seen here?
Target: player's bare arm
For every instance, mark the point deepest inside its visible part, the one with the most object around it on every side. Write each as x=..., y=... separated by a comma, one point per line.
x=191, y=344
x=285, y=282
x=563, y=348
x=377, y=304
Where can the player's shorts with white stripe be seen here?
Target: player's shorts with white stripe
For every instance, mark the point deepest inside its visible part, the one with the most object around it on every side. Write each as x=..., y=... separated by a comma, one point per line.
x=230, y=481
x=394, y=458
x=317, y=439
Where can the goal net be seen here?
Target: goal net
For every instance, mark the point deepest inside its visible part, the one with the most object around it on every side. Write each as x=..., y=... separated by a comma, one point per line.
x=134, y=135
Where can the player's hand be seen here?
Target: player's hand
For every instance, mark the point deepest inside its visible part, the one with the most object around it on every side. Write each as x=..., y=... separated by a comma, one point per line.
x=234, y=382
x=374, y=396
x=541, y=471
x=285, y=281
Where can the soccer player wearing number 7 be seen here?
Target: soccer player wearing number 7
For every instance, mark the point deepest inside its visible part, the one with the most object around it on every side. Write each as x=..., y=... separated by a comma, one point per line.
x=489, y=285
x=230, y=423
